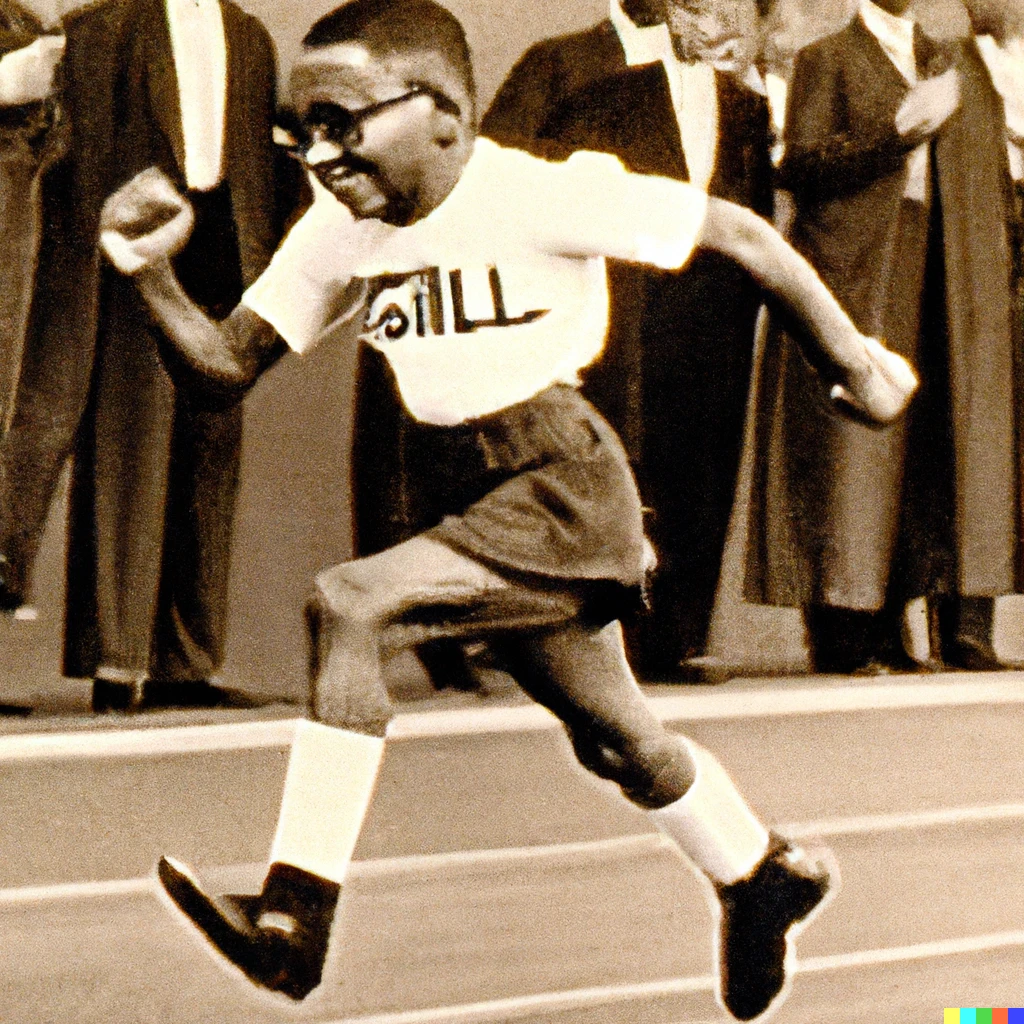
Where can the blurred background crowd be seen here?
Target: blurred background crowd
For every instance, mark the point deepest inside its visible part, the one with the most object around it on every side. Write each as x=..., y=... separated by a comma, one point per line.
x=883, y=136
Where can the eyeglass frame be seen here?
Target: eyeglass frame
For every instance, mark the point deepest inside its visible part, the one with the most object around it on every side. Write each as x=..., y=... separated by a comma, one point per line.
x=289, y=123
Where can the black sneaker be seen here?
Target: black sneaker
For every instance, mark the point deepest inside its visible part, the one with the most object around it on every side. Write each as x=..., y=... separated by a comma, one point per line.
x=278, y=939
x=761, y=915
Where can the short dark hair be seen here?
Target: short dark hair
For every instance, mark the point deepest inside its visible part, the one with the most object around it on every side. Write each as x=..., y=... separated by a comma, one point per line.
x=398, y=26
x=643, y=13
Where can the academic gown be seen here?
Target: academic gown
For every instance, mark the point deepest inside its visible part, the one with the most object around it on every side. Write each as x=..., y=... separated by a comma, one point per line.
x=843, y=514
x=155, y=452
x=675, y=373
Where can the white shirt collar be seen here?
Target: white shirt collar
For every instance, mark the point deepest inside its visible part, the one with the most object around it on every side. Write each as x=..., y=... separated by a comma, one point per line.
x=653, y=43
x=642, y=45
x=1006, y=66
x=199, y=52
x=204, y=4
x=895, y=34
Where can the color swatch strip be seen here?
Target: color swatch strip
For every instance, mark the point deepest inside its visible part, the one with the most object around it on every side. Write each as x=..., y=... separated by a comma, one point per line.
x=986, y=1015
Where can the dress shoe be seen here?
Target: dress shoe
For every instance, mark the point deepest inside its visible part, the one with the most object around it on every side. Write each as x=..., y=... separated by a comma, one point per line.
x=895, y=663
x=704, y=669
x=974, y=655
x=193, y=693
x=11, y=596
x=109, y=695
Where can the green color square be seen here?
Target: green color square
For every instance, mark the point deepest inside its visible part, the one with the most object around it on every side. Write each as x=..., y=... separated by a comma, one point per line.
x=983, y=1016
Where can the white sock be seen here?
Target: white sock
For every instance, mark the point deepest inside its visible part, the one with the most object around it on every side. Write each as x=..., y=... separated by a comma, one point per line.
x=327, y=791
x=712, y=824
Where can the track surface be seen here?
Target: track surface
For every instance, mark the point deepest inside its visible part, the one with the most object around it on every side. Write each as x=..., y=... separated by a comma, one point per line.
x=496, y=882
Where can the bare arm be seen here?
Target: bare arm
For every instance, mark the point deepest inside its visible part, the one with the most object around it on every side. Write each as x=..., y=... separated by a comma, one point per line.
x=752, y=242
x=233, y=352
x=876, y=382
x=142, y=226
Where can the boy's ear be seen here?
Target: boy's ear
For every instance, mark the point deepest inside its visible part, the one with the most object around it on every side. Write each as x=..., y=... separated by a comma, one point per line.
x=448, y=126
x=446, y=130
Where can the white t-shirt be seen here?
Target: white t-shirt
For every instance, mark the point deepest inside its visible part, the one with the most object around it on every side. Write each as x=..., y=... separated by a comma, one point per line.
x=495, y=295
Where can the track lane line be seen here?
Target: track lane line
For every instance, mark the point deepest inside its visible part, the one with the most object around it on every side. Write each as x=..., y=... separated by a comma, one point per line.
x=509, y=1009
x=997, y=688
x=616, y=848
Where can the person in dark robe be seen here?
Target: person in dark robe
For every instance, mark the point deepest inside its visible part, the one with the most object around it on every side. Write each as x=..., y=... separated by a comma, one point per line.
x=999, y=30
x=895, y=157
x=31, y=137
x=189, y=87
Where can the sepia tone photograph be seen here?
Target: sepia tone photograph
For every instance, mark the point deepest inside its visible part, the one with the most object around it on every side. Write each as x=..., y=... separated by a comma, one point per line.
x=511, y=513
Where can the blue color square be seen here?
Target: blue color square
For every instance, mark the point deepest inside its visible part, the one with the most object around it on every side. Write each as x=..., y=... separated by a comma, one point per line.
x=1015, y=1015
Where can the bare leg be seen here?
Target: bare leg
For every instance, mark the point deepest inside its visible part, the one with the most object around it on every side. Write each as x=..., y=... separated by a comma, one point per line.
x=580, y=673
x=367, y=610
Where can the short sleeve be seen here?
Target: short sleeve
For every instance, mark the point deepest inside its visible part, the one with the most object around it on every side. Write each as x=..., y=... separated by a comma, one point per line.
x=305, y=288
x=593, y=206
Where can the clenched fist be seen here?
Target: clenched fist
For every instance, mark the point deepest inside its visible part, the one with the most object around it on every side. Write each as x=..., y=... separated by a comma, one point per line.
x=145, y=221
x=879, y=390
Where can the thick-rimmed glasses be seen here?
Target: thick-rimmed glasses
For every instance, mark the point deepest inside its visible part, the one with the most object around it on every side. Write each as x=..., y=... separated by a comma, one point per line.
x=330, y=122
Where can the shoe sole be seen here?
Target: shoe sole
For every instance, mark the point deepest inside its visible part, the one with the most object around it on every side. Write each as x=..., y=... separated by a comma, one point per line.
x=789, y=963
x=200, y=940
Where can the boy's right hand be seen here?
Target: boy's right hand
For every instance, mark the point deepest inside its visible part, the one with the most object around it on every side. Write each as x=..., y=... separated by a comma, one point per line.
x=879, y=391
x=145, y=222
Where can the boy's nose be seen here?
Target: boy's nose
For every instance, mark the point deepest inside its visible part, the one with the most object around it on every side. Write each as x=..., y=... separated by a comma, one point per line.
x=323, y=150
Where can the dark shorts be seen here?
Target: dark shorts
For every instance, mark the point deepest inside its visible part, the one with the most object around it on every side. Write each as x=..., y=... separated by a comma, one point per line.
x=541, y=490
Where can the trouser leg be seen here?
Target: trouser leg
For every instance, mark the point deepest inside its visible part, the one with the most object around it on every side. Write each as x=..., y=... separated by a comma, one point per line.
x=963, y=628
x=190, y=623
x=965, y=618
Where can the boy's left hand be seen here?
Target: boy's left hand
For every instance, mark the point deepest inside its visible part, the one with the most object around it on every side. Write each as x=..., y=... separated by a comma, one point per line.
x=144, y=222
x=880, y=391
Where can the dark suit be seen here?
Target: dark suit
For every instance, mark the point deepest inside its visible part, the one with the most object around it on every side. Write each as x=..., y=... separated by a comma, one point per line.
x=849, y=517
x=31, y=137
x=156, y=455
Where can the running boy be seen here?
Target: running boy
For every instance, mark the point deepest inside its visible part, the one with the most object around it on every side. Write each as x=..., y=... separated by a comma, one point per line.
x=478, y=273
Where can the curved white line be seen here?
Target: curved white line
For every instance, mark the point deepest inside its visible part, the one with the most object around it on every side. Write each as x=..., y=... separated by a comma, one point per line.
x=998, y=688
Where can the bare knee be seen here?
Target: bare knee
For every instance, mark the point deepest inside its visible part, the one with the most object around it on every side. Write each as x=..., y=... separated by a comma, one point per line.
x=652, y=771
x=341, y=597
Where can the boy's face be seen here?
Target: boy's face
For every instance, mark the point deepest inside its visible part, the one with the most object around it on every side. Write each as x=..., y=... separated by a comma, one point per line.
x=384, y=147
x=719, y=32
